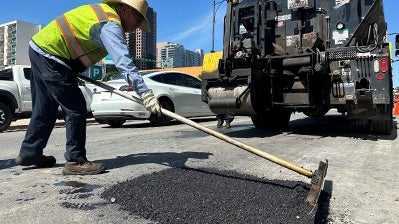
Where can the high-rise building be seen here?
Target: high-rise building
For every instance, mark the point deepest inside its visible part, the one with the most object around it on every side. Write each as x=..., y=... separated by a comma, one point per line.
x=14, y=42
x=15, y=36
x=143, y=48
x=172, y=55
x=142, y=45
x=199, y=57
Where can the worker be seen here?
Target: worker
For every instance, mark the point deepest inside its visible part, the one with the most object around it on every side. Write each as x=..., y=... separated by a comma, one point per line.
x=65, y=47
x=222, y=118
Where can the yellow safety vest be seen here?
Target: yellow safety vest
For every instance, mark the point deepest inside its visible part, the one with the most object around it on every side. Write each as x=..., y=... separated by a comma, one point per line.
x=68, y=36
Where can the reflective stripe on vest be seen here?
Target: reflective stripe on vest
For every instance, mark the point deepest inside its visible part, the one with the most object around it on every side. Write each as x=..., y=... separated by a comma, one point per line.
x=70, y=37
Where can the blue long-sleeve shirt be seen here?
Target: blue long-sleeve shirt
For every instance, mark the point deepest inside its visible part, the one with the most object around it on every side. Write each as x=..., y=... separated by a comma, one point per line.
x=110, y=35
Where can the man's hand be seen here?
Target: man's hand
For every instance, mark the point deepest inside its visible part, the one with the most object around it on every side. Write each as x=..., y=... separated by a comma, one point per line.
x=151, y=102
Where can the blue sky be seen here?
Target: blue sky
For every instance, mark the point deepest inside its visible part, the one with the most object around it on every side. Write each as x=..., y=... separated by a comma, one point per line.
x=186, y=22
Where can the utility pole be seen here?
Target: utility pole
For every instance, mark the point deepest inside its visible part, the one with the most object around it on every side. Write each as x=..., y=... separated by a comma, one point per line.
x=215, y=9
x=213, y=26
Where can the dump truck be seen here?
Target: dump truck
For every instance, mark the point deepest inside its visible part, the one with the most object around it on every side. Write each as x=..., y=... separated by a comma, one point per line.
x=285, y=56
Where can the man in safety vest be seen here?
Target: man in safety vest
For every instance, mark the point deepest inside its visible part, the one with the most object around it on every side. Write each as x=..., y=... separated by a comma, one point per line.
x=69, y=45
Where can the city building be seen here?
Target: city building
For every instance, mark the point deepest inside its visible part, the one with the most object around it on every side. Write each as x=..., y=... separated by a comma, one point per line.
x=172, y=55
x=14, y=42
x=199, y=57
x=142, y=45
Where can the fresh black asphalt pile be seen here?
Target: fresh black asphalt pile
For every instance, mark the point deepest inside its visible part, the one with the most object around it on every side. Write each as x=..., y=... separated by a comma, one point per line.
x=185, y=195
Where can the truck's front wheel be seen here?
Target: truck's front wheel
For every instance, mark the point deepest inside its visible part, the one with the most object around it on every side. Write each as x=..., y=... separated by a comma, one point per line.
x=5, y=117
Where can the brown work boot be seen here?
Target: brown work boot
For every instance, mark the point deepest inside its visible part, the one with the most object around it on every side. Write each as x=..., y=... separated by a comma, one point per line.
x=39, y=161
x=83, y=168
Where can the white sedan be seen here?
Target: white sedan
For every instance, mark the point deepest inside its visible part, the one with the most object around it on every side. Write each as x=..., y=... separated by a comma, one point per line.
x=177, y=92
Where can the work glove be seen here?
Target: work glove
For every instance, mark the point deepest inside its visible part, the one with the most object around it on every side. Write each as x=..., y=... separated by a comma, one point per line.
x=151, y=103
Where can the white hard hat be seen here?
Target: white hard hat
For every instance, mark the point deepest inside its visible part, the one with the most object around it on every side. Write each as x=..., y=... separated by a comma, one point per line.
x=140, y=6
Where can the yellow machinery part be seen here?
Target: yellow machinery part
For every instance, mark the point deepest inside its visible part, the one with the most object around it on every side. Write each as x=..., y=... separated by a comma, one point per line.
x=211, y=62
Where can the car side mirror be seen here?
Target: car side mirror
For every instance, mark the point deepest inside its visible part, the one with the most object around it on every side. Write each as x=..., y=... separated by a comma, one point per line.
x=397, y=45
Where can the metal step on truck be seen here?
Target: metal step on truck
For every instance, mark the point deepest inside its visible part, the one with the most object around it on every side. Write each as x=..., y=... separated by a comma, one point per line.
x=309, y=56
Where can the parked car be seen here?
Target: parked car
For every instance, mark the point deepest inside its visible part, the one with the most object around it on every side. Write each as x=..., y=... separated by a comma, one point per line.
x=176, y=91
x=15, y=95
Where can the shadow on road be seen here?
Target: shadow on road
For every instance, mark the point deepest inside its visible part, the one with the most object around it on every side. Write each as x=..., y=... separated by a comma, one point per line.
x=146, y=124
x=326, y=126
x=171, y=159
x=7, y=163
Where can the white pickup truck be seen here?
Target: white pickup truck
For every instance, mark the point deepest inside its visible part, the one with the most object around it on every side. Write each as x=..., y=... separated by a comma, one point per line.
x=15, y=95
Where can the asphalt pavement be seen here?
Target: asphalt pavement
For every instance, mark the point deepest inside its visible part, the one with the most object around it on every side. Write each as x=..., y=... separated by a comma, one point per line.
x=176, y=174
x=21, y=124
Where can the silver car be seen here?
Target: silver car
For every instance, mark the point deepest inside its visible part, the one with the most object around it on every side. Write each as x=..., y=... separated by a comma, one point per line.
x=176, y=91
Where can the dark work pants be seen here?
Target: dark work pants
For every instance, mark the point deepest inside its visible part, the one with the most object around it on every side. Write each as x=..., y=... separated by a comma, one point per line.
x=54, y=85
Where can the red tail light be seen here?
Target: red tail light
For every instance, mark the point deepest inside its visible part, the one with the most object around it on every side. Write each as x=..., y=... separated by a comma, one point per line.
x=384, y=65
x=380, y=76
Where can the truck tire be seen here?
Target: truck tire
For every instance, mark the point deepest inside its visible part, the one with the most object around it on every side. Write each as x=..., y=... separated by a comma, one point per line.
x=384, y=125
x=381, y=126
x=361, y=125
x=5, y=117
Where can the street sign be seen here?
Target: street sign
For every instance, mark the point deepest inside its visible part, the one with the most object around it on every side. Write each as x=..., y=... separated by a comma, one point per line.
x=94, y=72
